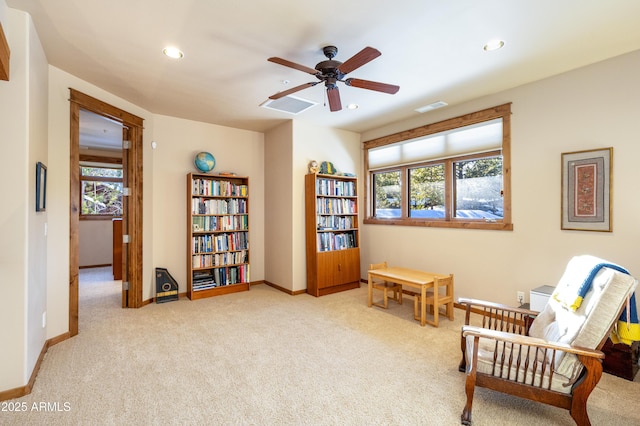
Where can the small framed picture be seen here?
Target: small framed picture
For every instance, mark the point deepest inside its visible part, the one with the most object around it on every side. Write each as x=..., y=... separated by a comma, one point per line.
x=586, y=190
x=41, y=187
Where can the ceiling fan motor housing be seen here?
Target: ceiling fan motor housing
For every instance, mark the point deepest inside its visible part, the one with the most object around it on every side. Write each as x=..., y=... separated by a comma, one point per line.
x=329, y=72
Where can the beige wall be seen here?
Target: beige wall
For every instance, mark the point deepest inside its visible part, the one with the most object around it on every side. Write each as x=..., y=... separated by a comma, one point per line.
x=23, y=256
x=592, y=107
x=278, y=213
x=95, y=242
x=58, y=193
x=310, y=142
x=178, y=141
x=288, y=150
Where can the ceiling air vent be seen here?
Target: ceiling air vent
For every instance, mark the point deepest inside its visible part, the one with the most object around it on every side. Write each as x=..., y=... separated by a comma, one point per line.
x=289, y=104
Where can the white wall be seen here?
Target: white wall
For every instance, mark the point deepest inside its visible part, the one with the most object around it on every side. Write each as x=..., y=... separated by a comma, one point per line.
x=593, y=107
x=178, y=141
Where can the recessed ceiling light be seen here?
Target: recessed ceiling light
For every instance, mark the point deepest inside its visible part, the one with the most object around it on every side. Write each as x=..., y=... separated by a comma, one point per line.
x=353, y=106
x=493, y=45
x=173, y=52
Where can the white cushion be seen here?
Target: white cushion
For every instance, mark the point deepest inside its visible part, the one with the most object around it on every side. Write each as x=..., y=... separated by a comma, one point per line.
x=585, y=327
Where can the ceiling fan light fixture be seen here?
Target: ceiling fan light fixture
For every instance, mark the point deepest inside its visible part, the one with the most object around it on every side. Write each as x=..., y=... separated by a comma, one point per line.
x=432, y=106
x=493, y=45
x=173, y=52
x=353, y=106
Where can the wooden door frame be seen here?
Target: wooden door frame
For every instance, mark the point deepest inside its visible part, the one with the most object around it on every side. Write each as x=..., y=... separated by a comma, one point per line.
x=133, y=272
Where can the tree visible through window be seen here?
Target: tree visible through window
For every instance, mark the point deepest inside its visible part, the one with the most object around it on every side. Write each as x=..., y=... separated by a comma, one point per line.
x=100, y=191
x=454, y=173
x=426, y=191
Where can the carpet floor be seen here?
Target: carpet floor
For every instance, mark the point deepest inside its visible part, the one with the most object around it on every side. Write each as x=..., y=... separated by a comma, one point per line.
x=263, y=357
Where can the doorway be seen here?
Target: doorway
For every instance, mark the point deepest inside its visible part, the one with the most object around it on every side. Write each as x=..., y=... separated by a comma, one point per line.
x=132, y=202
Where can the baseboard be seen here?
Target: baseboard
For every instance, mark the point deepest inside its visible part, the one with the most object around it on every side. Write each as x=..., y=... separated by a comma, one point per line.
x=285, y=290
x=26, y=390
x=94, y=266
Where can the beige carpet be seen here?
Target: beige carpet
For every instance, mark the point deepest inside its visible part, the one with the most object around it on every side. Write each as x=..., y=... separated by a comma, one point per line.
x=266, y=358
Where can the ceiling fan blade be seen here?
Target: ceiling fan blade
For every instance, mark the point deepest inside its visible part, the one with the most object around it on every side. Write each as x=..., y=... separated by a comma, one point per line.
x=292, y=90
x=334, y=98
x=372, y=85
x=366, y=55
x=293, y=65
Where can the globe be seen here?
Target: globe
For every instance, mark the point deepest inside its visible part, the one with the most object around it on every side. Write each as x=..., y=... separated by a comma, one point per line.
x=204, y=161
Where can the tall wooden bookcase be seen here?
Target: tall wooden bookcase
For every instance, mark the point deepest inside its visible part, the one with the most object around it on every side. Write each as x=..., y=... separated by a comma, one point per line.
x=332, y=234
x=217, y=235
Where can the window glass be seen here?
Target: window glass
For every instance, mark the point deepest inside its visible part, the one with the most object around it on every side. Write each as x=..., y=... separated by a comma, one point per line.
x=426, y=192
x=100, y=191
x=101, y=171
x=454, y=173
x=101, y=198
x=478, y=188
x=387, y=194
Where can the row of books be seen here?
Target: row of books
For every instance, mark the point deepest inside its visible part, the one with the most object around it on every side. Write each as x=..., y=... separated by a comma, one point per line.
x=218, y=188
x=199, y=261
x=220, y=223
x=329, y=241
x=336, y=222
x=215, y=206
x=220, y=277
x=334, y=187
x=336, y=206
x=220, y=242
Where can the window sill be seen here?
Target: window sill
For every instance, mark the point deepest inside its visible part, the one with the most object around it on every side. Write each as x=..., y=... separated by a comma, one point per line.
x=99, y=217
x=476, y=224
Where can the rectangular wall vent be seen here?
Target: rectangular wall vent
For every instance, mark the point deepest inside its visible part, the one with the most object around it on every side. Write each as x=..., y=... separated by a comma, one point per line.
x=289, y=104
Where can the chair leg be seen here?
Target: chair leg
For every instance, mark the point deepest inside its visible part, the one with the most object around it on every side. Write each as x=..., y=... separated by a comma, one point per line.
x=470, y=385
x=462, y=367
x=386, y=298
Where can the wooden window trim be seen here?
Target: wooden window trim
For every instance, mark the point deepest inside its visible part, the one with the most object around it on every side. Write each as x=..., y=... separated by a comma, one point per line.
x=500, y=111
x=5, y=55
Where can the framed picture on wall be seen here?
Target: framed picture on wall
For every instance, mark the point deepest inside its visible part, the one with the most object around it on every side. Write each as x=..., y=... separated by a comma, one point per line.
x=586, y=190
x=41, y=187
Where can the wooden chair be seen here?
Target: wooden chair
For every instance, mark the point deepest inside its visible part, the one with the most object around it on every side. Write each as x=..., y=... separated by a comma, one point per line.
x=386, y=287
x=444, y=298
x=553, y=356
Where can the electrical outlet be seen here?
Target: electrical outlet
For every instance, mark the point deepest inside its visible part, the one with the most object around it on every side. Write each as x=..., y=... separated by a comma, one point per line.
x=520, y=296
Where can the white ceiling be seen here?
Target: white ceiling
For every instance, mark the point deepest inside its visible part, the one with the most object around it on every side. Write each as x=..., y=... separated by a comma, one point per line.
x=431, y=49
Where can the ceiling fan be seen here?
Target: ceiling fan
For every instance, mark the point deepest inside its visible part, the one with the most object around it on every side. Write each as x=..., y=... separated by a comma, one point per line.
x=331, y=71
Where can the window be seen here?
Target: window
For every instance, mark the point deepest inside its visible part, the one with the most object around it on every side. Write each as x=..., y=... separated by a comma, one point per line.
x=455, y=173
x=100, y=191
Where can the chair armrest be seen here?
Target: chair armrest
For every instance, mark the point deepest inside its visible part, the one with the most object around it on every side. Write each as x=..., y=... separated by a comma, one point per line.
x=497, y=316
x=469, y=330
x=475, y=303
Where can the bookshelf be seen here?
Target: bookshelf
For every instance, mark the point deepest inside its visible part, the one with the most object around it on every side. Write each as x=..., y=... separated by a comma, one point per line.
x=217, y=235
x=332, y=234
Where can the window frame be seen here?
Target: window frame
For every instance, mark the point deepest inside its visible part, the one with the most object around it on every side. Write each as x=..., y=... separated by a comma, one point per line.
x=83, y=178
x=501, y=111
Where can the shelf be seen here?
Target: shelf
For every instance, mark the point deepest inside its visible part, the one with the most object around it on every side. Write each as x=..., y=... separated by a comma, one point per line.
x=217, y=235
x=332, y=234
